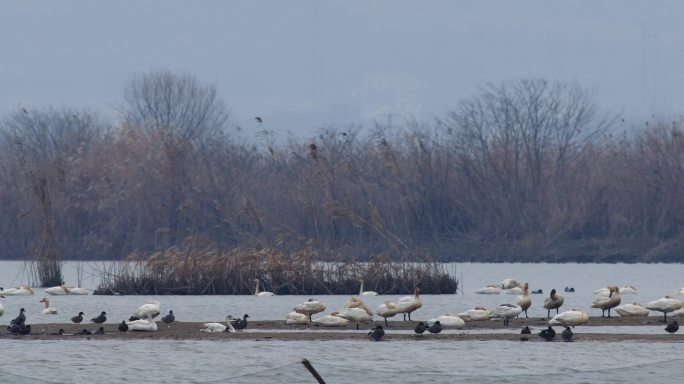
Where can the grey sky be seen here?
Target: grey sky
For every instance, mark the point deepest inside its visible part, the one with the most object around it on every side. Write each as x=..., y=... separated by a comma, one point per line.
x=303, y=64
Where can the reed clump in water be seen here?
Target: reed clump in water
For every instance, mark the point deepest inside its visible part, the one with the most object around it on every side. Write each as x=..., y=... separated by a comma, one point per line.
x=209, y=271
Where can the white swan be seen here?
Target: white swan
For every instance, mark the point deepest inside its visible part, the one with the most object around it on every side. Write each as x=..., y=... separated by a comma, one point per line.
x=570, y=318
x=408, y=304
x=332, y=320
x=22, y=290
x=680, y=291
x=505, y=312
x=47, y=310
x=449, y=320
x=261, y=294
x=475, y=314
x=310, y=307
x=58, y=290
x=631, y=310
x=366, y=293
x=296, y=318
x=78, y=291
x=358, y=303
x=509, y=283
x=554, y=301
x=151, y=308
x=143, y=325
x=515, y=291
x=607, y=302
x=664, y=305
x=489, y=290
x=388, y=309
x=357, y=315
x=218, y=327
x=628, y=289
x=524, y=300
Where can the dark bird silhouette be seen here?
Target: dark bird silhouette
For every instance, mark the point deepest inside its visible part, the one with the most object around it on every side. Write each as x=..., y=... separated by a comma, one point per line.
x=19, y=320
x=569, y=289
x=567, y=334
x=436, y=327
x=123, y=327
x=547, y=334
x=420, y=328
x=537, y=292
x=240, y=324
x=672, y=327
x=100, y=319
x=19, y=329
x=377, y=334
x=100, y=331
x=83, y=332
x=258, y=119
x=78, y=318
x=170, y=318
x=59, y=333
x=525, y=331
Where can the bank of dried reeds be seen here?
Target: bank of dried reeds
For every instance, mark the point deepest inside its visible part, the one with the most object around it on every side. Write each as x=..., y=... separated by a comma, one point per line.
x=192, y=271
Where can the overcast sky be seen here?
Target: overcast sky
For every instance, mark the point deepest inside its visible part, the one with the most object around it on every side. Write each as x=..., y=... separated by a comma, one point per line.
x=303, y=64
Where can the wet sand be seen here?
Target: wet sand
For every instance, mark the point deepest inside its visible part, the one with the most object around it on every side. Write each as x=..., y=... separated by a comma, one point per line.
x=278, y=330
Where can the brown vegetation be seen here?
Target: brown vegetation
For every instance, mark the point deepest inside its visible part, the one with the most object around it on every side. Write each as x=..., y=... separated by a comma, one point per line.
x=525, y=171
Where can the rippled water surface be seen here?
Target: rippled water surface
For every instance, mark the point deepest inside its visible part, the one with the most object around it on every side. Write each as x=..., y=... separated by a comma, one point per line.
x=152, y=361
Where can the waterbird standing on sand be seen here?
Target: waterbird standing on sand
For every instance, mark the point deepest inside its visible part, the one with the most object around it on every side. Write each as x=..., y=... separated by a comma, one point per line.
x=571, y=318
x=19, y=320
x=240, y=324
x=377, y=334
x=19, y=329
x=554, y=301
x=78, y=318
x=664, y=305
x=435, y=328
x=420, y=328
x=151, y=307
x=672, y=327
x=607, y=302
x=408, y=304
x=524, y=300
x=547, y=334
x=310, y=307
x=525, y=331
x=505, y=312
x=567, y=334
x=123, y=327
x=170, y=318
x=100, y=319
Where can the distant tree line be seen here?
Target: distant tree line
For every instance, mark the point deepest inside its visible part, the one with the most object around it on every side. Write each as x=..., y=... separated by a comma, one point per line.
x=529, y=170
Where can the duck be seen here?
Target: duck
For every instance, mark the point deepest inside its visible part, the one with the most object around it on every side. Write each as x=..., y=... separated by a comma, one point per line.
x=332, y=320
x=574, y=317
x=19, y=329
x=607, y=302
x=554, y=301
x=296, y=318
x=664, y=305
x=123, y=327
x=567, y=334
x=78, y=318
x=672, y=327
x=101, y=318
x=20, y=319
x=310, y=307
x=261, y=294
x=356, y=315
x=22, y=290
x=569, y=289
x=436, y=327
x=377, y=334
x=58, y=290
x=408, y=304
x=505, y=312
x=475, y=314
x=387, y=309
x=151, y=307
x=509, y=283
x=366, y=293
x=524, y=300
x=47, y=310
x=489, y=290
x=420, y=328
x=100, y=331
x=547, y=334
x=628, y=290
x=449, y=321
x=218, y=327
x=170, y=318
x=525, y=331
x=631, y=310
x=143, y=325
x=240, y=324
x=83, y=332
x=537, y=292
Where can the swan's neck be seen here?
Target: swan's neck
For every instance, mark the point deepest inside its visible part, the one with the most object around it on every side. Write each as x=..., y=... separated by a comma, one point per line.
x=361, y=289
x=256, y=292
x=46, y=303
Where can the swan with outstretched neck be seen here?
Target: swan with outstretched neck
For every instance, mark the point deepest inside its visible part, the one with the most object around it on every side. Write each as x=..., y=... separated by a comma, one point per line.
x=263, y=293
x=366, y=293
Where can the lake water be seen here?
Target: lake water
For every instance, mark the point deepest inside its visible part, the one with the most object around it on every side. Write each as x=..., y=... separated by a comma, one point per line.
x=194, y=361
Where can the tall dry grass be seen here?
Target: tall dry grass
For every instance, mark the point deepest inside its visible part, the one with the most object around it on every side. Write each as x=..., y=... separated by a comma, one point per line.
x=209, y=271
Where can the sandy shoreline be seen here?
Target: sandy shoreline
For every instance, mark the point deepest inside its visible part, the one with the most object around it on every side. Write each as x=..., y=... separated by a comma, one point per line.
x=278, y=330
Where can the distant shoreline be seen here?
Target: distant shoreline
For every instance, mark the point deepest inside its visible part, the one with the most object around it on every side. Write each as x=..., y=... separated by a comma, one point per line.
x=278, y=330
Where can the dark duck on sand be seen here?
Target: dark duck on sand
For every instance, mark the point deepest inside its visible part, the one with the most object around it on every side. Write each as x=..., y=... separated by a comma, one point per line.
x=567, y=334
x=377, y=334
x=672, y=327
x=435, y=328
x=547, y=334
x=420, y=328
x=123, y=327
x=170, y=318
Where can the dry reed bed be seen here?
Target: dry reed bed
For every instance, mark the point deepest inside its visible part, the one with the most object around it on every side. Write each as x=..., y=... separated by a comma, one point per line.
x=209, y=271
